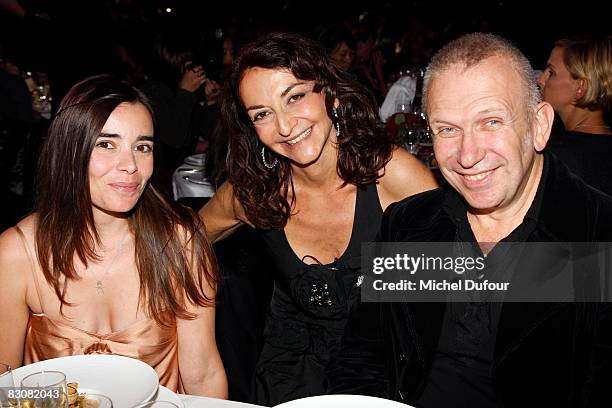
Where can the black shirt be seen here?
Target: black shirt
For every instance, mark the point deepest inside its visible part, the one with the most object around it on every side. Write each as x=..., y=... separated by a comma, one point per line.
x=461, y=371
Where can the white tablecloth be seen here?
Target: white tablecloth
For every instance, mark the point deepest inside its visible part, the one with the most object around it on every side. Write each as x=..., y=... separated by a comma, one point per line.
x=401, y=92
x=202, y=402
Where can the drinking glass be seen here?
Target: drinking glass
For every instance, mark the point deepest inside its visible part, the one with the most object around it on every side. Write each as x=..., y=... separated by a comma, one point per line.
x=45, y=389
x=89, y=399
x=156, y=404
x=98, y=400
x=426, y=151
x=411, y=141
x=403, y=105
x=6, y=382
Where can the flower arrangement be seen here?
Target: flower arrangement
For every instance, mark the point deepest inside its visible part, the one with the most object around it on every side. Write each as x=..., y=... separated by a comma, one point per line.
x=410, y=130
x=400, y=123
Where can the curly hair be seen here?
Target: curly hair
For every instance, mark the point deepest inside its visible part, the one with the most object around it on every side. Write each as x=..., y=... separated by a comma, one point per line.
x=364, y=148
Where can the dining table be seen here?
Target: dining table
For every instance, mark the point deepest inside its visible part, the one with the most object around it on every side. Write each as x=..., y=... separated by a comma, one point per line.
x=190, y=401
x=123, y=380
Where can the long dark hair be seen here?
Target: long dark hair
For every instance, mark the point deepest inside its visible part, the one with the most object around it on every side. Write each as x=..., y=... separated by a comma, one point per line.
x=173, y=256
x=364, y=148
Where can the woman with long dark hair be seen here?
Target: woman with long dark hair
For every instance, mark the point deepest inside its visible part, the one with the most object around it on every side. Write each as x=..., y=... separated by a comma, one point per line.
x=105, y=264
x=312, y=169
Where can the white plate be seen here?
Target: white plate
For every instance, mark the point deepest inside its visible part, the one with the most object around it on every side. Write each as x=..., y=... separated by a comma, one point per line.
x=164, y=394
x=126, y=381
x=335, y=401
x=196, y=159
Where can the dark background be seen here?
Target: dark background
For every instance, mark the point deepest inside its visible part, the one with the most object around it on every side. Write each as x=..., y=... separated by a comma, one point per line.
x=81, y=32
x=68, y=40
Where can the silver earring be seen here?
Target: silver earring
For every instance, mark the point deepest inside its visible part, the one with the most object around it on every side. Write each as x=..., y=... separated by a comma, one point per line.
x=337, y=122
x=263, y=159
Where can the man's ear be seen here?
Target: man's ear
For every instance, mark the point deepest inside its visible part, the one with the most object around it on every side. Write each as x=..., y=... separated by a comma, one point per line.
x=542, y=124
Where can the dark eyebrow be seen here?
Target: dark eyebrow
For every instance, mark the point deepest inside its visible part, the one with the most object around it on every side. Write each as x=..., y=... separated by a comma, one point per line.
x=254, y=107
x=283, y=94
x=111, y=135
x=116, y=136
x=286, y=91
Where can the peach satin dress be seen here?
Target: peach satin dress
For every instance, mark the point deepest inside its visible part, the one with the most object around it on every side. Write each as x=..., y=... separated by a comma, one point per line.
x=144, y=340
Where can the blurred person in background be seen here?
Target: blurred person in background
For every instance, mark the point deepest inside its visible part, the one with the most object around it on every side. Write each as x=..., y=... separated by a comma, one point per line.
x=101, y=232
x=369, y=61
x=176, y=84
x=577, y=82
x=341, y=45
x=415, y=47
x=228, y=52
x=16, y=120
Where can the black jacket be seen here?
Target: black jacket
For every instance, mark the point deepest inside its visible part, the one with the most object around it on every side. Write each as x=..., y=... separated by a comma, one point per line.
x=546, y=354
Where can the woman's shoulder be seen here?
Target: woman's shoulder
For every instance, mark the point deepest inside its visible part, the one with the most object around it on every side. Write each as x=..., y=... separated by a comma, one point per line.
x=14, y=256
x=23, y=229
x=403, y=176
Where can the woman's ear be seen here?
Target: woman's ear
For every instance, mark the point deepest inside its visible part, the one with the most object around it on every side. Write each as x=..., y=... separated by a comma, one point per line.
x=582, y=87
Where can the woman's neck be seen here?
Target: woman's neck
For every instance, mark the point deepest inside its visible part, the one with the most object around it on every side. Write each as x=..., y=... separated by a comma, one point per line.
x=321, y=172
x=587, y=121
x=110, y=228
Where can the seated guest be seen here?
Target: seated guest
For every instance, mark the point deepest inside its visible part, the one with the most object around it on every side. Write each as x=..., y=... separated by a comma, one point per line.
x=577, y=82
x=311, y=169
x=489, y=128
x=105, y=264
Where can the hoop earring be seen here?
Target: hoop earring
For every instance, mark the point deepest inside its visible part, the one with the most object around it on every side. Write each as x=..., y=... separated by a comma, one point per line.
x=336, y=122
x=263, y=159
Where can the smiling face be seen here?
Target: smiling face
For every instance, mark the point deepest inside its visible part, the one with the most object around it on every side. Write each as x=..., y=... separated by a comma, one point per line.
x=482, y=138
x=121, y=162
x=288, y=116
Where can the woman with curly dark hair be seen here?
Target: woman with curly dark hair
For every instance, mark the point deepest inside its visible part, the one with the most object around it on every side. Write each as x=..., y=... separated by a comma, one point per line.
x=106, y=264
x=311, y=167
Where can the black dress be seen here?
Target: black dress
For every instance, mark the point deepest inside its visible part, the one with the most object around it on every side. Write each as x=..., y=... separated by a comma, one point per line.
x=309, y=309
x=587, y=155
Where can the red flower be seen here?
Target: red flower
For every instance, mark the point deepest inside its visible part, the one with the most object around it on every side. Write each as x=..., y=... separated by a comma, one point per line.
x=400, y=120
